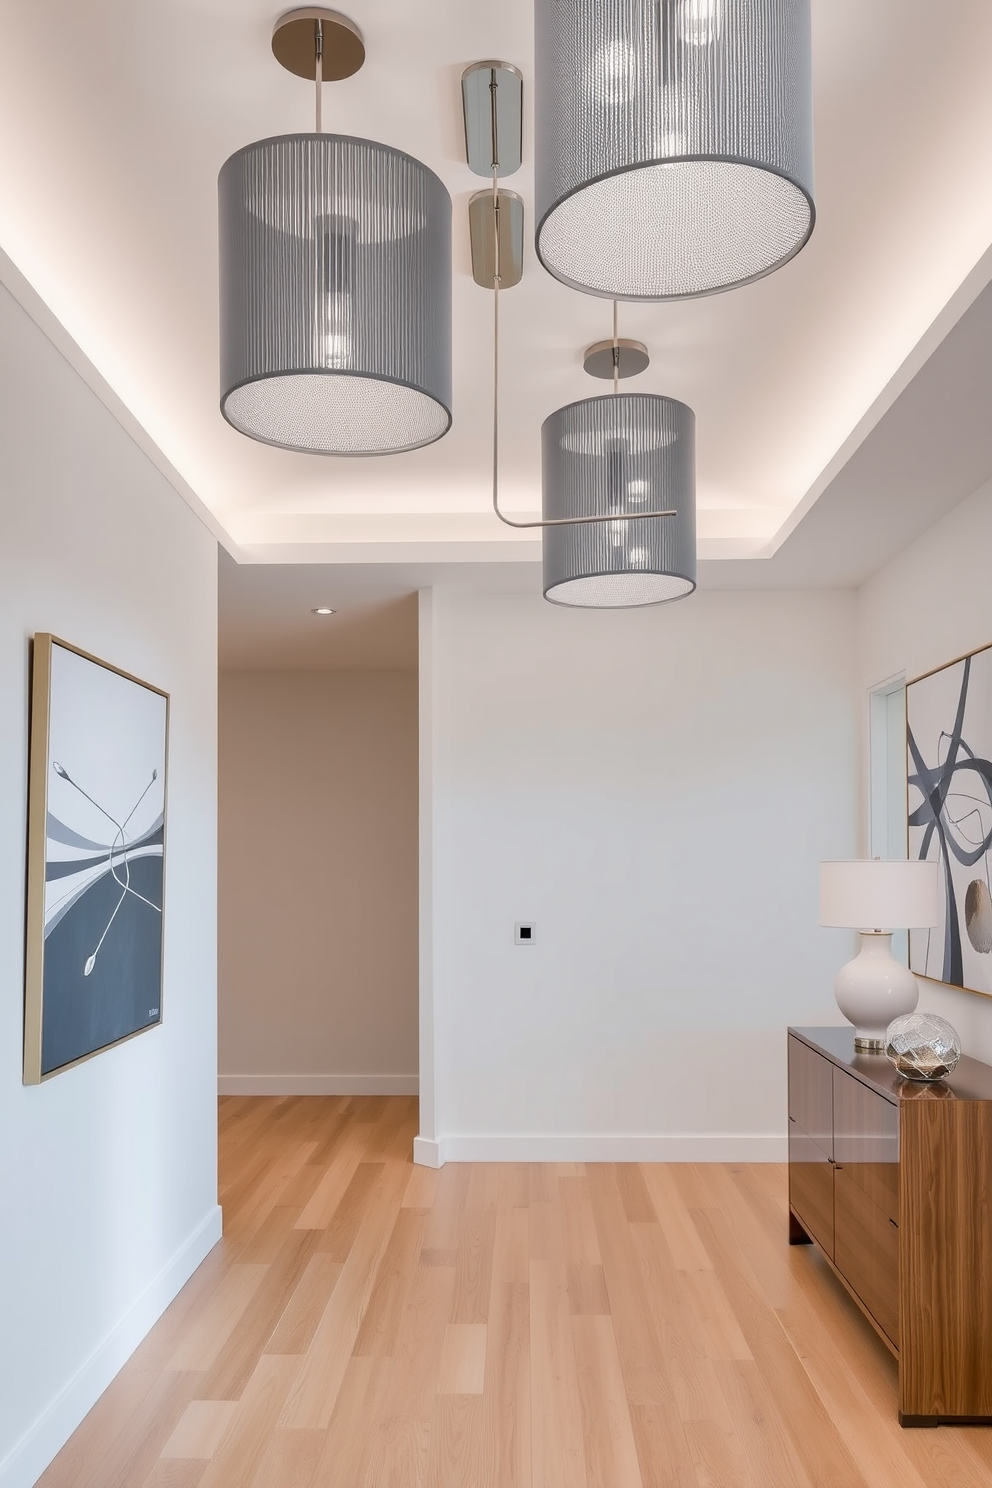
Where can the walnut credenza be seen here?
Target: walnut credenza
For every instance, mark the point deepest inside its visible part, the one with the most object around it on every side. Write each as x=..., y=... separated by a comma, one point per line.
x=893, y=1180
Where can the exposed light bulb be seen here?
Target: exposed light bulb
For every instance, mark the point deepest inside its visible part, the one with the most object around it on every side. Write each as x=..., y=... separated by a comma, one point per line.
x=699, y=21
x=335, y=281
x=615, y=73
x=337, y=330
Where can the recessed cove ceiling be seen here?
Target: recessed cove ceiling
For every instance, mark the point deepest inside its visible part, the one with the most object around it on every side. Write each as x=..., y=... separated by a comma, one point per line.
x=117, y=118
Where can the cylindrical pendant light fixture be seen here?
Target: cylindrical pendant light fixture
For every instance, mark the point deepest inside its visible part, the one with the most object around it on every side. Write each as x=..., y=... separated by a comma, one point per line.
x=613, y=457
x=335, y=271
x=674, y=143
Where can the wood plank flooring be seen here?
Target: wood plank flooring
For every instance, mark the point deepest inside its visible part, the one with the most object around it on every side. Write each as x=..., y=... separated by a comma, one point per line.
x=368, y=1324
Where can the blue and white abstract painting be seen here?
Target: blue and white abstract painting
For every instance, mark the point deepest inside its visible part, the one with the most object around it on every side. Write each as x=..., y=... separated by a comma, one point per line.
x=104, y=859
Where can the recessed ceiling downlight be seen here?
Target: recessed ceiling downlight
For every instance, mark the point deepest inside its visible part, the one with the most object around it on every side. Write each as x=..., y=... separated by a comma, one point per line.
x=322, y=610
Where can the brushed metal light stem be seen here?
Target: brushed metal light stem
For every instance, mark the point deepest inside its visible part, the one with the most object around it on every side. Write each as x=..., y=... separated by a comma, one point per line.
x=318, y=75
x=552, y=521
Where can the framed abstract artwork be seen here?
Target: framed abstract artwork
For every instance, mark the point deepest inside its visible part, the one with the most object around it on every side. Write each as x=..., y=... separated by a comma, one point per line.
x=949, y=807
x=96, y=858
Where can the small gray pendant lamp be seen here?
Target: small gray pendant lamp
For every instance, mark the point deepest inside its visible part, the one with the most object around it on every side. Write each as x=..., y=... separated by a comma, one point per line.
x=674, y=143
x=335, y=277
x=618, y=459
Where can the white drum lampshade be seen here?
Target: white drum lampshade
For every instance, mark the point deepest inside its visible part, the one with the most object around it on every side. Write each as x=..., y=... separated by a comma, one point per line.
x=877, y=896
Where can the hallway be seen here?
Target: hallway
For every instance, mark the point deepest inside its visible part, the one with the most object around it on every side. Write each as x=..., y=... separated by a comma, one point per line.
x=368, y=1324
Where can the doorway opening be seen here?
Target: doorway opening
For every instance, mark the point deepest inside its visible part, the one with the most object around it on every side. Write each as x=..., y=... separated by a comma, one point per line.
x=318, y=832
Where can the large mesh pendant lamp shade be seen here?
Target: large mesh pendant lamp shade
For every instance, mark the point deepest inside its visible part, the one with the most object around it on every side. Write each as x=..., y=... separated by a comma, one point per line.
x=674, y=143
x=335, y=276
x=335, y=323
x=617, y=456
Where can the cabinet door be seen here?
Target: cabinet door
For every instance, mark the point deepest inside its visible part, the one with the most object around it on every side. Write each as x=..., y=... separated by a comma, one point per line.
x=866, y=1251
x=811, y=1102
x=866, y=1197
x=866, y=1141
x=811, y=1181
x=811, y=1187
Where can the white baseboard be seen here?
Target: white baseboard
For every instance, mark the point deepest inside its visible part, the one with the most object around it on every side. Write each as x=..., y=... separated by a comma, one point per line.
x=317, y=1084
x=428, y=1153
x=29, y=1457
x=722, y=1148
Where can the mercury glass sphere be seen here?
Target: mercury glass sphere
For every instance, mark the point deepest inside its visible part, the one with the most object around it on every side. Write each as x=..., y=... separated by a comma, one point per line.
x=922, y=1046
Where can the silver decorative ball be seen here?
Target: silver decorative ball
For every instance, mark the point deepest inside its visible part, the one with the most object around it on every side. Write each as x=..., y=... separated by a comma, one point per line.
x=922, y=1046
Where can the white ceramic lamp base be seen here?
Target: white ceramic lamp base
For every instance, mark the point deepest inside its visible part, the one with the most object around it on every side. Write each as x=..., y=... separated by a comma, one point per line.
x=873, y=989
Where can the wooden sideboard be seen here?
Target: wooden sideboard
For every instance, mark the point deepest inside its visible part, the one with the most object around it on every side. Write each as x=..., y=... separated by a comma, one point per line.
x=893, y=1180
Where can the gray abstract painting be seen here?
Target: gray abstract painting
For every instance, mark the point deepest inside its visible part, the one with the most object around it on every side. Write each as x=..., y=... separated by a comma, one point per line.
x=96, y=975
x=949, y=767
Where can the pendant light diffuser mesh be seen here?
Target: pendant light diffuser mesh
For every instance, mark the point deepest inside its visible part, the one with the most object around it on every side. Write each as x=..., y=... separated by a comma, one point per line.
x=674, y=143
x=620, y=454
x=335, y=257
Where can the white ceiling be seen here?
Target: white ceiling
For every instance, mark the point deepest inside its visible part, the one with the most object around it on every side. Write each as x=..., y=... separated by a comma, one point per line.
x=926, y=452
x=266, y=619
x=117, y=114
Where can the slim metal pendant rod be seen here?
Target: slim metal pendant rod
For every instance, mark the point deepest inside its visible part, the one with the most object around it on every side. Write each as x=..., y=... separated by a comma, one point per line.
x=494, y=123
x=555, y=521
x=318, y=42
x=616, y=353
x=552, y=521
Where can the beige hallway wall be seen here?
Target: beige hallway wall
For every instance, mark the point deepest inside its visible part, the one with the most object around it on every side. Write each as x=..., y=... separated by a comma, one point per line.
x=318, y=882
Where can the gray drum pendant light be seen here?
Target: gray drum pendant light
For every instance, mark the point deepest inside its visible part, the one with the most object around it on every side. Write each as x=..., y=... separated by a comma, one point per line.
x=619, y=457
x=335, y=293
x=674, y=143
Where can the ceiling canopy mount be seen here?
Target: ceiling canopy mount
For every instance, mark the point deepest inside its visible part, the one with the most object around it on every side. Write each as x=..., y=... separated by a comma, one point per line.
x=622, y=358
x=303, y=37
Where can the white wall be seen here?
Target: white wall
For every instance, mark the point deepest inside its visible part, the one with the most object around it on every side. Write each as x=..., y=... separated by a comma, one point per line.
x=318, y=882
x=107, y=1171
x=927, y=606
x=655, y=790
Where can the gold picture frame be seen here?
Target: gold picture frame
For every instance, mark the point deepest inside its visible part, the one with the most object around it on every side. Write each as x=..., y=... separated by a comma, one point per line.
x=96, y=856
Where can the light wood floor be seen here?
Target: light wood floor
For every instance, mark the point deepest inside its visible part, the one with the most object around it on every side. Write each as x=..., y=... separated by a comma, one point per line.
x=368, y=1324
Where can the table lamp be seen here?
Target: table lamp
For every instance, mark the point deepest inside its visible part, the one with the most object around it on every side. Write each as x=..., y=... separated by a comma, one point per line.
x=877, y=896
